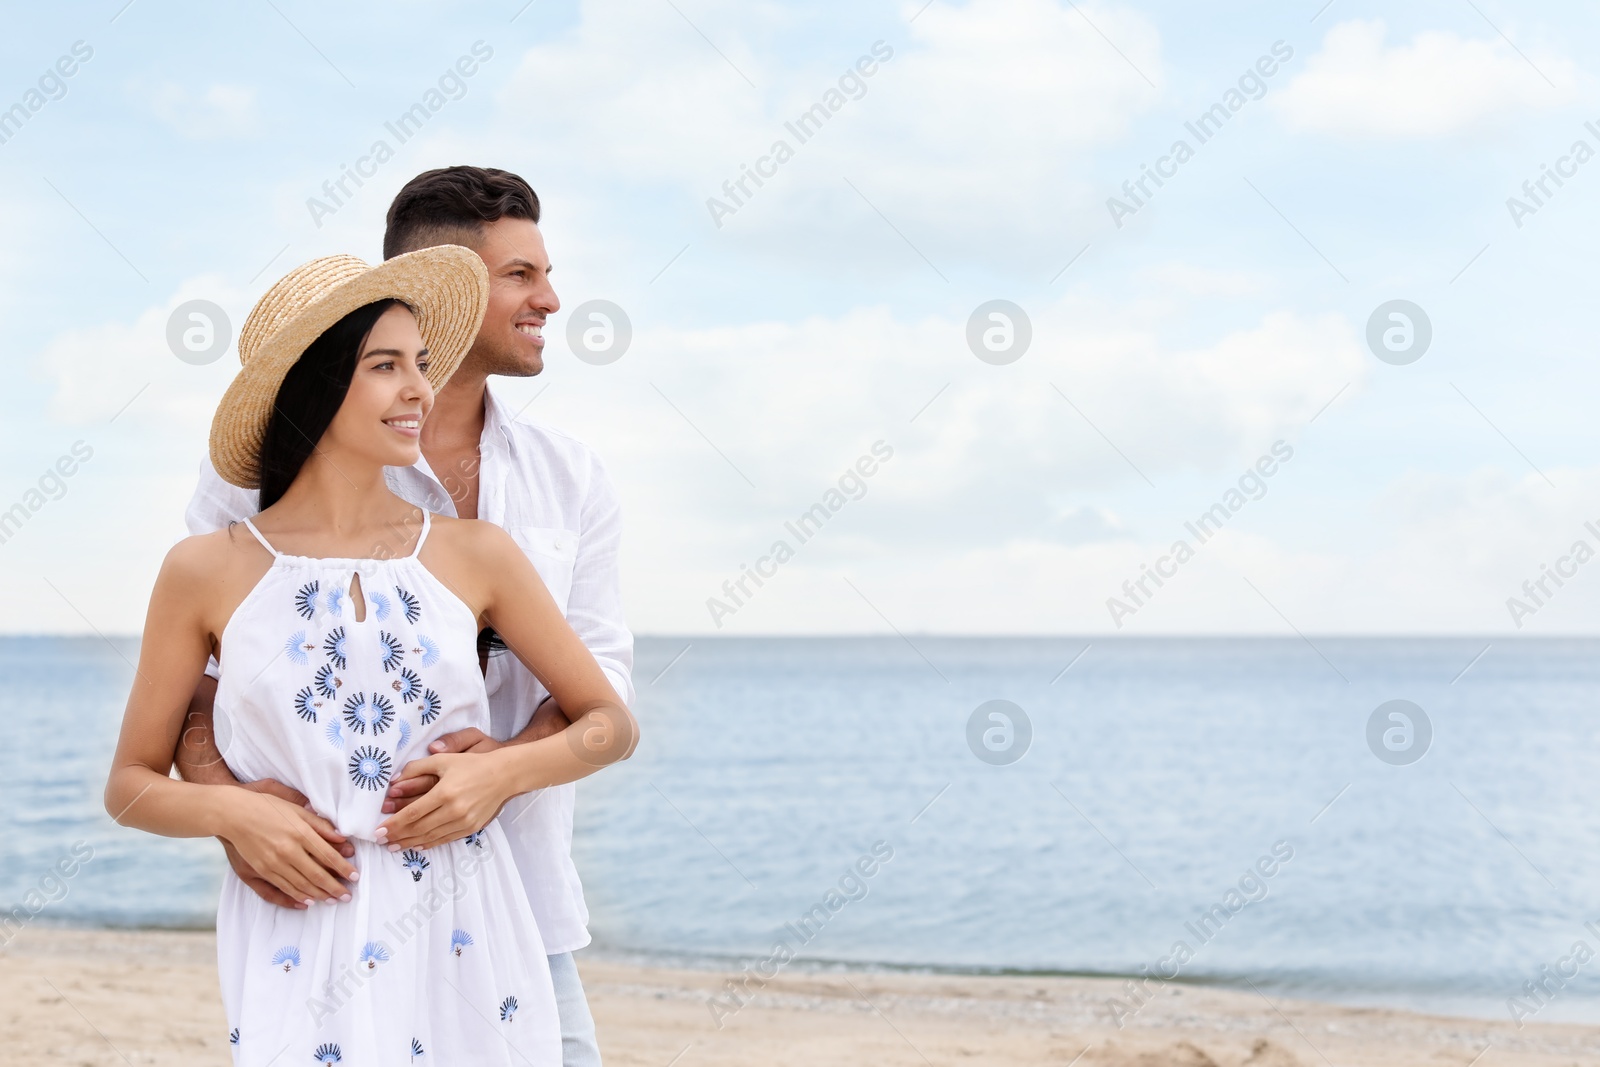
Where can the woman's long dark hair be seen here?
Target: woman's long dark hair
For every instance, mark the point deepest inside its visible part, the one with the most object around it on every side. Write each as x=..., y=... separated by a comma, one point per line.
x=310, y=397
x=490, y=643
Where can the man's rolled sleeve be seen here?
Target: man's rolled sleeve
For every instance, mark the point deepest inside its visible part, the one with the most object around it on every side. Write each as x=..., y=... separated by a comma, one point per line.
x=216, y=503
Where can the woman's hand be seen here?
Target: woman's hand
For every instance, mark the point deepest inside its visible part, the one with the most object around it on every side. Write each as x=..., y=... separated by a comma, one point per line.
x=471, y=788
x=276, y=788
x=249, y=875
x=257, y=884
x=287, y=846
x=404, y=790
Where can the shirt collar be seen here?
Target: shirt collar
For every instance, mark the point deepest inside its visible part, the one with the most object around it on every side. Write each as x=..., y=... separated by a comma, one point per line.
x=497, y=421
x=497, y=426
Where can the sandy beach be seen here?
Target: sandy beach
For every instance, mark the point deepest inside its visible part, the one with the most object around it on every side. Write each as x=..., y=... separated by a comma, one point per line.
x=93, y=997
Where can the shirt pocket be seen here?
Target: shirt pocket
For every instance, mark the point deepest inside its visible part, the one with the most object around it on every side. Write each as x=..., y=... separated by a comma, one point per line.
x=553, y=551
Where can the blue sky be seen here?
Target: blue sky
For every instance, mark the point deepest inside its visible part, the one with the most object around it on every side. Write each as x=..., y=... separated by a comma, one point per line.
x=830, y=310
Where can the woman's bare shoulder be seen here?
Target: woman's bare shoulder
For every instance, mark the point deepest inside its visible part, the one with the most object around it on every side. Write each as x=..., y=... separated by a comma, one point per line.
x=203, y=558
x=473, y=557
x=471, y=537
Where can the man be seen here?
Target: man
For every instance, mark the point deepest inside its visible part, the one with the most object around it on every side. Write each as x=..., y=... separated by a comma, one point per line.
x=552, y=495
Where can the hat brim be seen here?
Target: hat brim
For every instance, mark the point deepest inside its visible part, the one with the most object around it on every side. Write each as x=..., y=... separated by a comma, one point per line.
x=446, y=286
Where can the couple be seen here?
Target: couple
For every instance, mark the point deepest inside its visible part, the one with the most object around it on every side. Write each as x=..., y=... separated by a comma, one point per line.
x=351, y=632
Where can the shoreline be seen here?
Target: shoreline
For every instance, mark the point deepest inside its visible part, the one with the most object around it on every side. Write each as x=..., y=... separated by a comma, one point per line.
x=1464, y=1006
x=93, y=996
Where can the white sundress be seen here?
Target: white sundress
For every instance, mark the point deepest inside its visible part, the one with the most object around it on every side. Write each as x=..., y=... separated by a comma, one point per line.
x=436, y=957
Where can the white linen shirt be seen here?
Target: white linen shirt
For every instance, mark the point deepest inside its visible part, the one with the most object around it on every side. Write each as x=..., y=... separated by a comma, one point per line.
x=551, y=493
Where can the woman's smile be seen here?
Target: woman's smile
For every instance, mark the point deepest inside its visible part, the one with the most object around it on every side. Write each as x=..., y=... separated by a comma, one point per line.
x=405, y=425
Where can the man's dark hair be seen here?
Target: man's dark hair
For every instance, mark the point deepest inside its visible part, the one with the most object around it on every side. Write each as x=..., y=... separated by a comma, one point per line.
x=451, y=206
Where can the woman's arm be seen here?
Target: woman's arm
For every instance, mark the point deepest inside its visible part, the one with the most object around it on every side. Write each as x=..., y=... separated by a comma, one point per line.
x=282, y=841
x=473, y=786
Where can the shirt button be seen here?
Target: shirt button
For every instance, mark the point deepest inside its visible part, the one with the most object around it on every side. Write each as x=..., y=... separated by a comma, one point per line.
x=557, y=545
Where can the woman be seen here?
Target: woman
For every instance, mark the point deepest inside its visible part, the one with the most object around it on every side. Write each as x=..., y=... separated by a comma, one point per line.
x=346, y=628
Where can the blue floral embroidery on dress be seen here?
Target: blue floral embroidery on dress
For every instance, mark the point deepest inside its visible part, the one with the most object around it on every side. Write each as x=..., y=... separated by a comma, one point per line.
x=326, y=1054
x=294, y=648
x=305, y=601
x=430, y=706
x=369, y=767
x=287, y=957
x=416, y=1048
x=380, y=606
x=408, y=685
x=415, y=862
x=334, y=732
x=429, y=651
x=395, y=651
x=355, y=712
x=305, y=706
x=459, y=939
x=475, y=839
x=334, y=599
x=360, y=713
x=405, y=735
x=412, y=606
x=508, y=1008
x=382, y=715
x=374, y=953
x=334, y=647
x=233, y=1036
x=328, y=683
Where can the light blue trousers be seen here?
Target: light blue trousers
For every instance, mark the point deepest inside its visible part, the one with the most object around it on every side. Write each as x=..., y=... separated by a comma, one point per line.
x=579, y=1047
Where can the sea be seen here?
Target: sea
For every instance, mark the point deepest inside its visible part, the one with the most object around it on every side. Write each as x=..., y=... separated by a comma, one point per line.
x=1393, y=822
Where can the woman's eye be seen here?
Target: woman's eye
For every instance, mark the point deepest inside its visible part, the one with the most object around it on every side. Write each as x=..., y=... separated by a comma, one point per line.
x=389, y=363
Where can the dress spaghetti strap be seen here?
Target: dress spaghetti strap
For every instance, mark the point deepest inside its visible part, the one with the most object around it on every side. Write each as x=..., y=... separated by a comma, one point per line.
x=423, y=536
x=264, y=542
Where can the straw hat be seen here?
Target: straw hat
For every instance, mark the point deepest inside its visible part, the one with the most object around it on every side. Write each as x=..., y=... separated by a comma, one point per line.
x=447, y=286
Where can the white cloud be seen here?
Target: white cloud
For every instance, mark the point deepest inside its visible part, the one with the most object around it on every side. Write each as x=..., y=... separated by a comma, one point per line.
x=1429, y=553
x=999, y=466
x=1003, y=509
x=777, y=391
x=98, y=371
x=1196, y=281
x=1440, y=554
x=972, y=135
x=1438, y=84
x=218, y=111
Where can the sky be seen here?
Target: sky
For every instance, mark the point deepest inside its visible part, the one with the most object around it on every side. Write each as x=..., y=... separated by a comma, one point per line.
x=1183, y=338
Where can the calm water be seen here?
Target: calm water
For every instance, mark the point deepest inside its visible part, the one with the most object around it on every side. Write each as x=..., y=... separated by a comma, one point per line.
x=1160, y=772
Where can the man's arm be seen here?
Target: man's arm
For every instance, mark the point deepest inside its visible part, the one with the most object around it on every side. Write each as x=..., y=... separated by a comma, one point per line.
x=198, y=758
x=594, y=607
x=548, y=719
